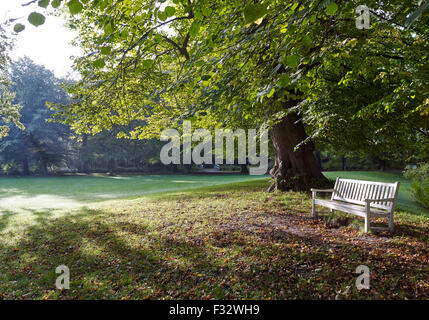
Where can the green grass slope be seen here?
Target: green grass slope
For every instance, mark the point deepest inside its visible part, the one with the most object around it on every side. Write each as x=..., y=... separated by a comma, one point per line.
x=86, y=189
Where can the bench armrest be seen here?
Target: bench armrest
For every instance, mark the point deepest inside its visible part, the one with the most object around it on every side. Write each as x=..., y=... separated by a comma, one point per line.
x=314, y=191
x=322, y=190
x=380, y=200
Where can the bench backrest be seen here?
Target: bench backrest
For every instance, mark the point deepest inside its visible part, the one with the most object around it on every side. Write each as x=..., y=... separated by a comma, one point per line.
x=356, y=191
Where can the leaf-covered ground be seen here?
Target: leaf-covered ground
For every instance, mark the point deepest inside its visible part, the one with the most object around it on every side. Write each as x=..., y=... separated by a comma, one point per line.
x=234, y=242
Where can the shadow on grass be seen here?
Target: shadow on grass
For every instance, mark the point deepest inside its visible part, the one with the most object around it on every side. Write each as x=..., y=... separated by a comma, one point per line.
x=4, y=219
x=102, y=261
x=112, y=257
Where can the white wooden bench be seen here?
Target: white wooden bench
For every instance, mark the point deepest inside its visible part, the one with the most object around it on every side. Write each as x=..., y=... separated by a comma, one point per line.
x=366, y=199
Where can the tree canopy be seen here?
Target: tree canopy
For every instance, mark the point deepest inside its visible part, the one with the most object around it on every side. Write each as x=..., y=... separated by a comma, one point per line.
x=302, y=68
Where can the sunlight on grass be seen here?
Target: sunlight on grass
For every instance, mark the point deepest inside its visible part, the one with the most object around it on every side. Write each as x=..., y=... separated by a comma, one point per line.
x=25, y=202
x=21, y=203
x=87, y=189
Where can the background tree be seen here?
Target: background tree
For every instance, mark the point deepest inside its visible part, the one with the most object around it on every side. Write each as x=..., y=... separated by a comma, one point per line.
x=45, y=147
x=105, y=152
x=41, y=144
x=9, y=112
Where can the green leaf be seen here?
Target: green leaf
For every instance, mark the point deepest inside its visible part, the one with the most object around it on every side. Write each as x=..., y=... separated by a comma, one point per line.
x=294, y=6
x=138, y=70
x=158, y=38
x=99, y=63
x=75, y=6
x=162, y=15
x=124, y=34
x=254, y=11
x=207, y=11
x=170, y=11
x=36, y=19
x=108, y=29
x=270, y=94
x=307, y=41
x=195, y=27
x=284, y=80
x=43, y=3
x=147, y=63
x=198, y=15
x=106, y=50
x=331, y=9
x=292, y=61
x=18, y=27
x=56, y=3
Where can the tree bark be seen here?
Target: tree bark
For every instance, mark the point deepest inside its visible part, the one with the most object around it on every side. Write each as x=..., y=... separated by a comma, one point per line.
x=45, y=168
x=319, y=160
x=86, y=166
x=111, y=165
x=244, y=169
x=294, y=169
x=382, y=165
x=25, y=167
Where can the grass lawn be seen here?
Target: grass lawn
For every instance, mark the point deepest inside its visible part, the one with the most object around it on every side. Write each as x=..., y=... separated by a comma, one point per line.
x=19, y=194
x=229, y=241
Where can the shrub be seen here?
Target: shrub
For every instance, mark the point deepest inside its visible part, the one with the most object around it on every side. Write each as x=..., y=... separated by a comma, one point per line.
x=420, y=185
x=10, y=168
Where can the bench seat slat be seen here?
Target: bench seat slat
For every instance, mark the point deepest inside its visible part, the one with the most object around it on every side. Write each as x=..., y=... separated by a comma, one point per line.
x=350, y=208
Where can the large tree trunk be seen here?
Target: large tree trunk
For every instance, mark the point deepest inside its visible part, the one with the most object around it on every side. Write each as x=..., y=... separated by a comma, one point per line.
x=294, y=169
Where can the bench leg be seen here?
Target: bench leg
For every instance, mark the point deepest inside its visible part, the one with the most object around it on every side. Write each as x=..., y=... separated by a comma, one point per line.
x=391, y=224
x=367, y=215
x=366, y=228
x=313, y=208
